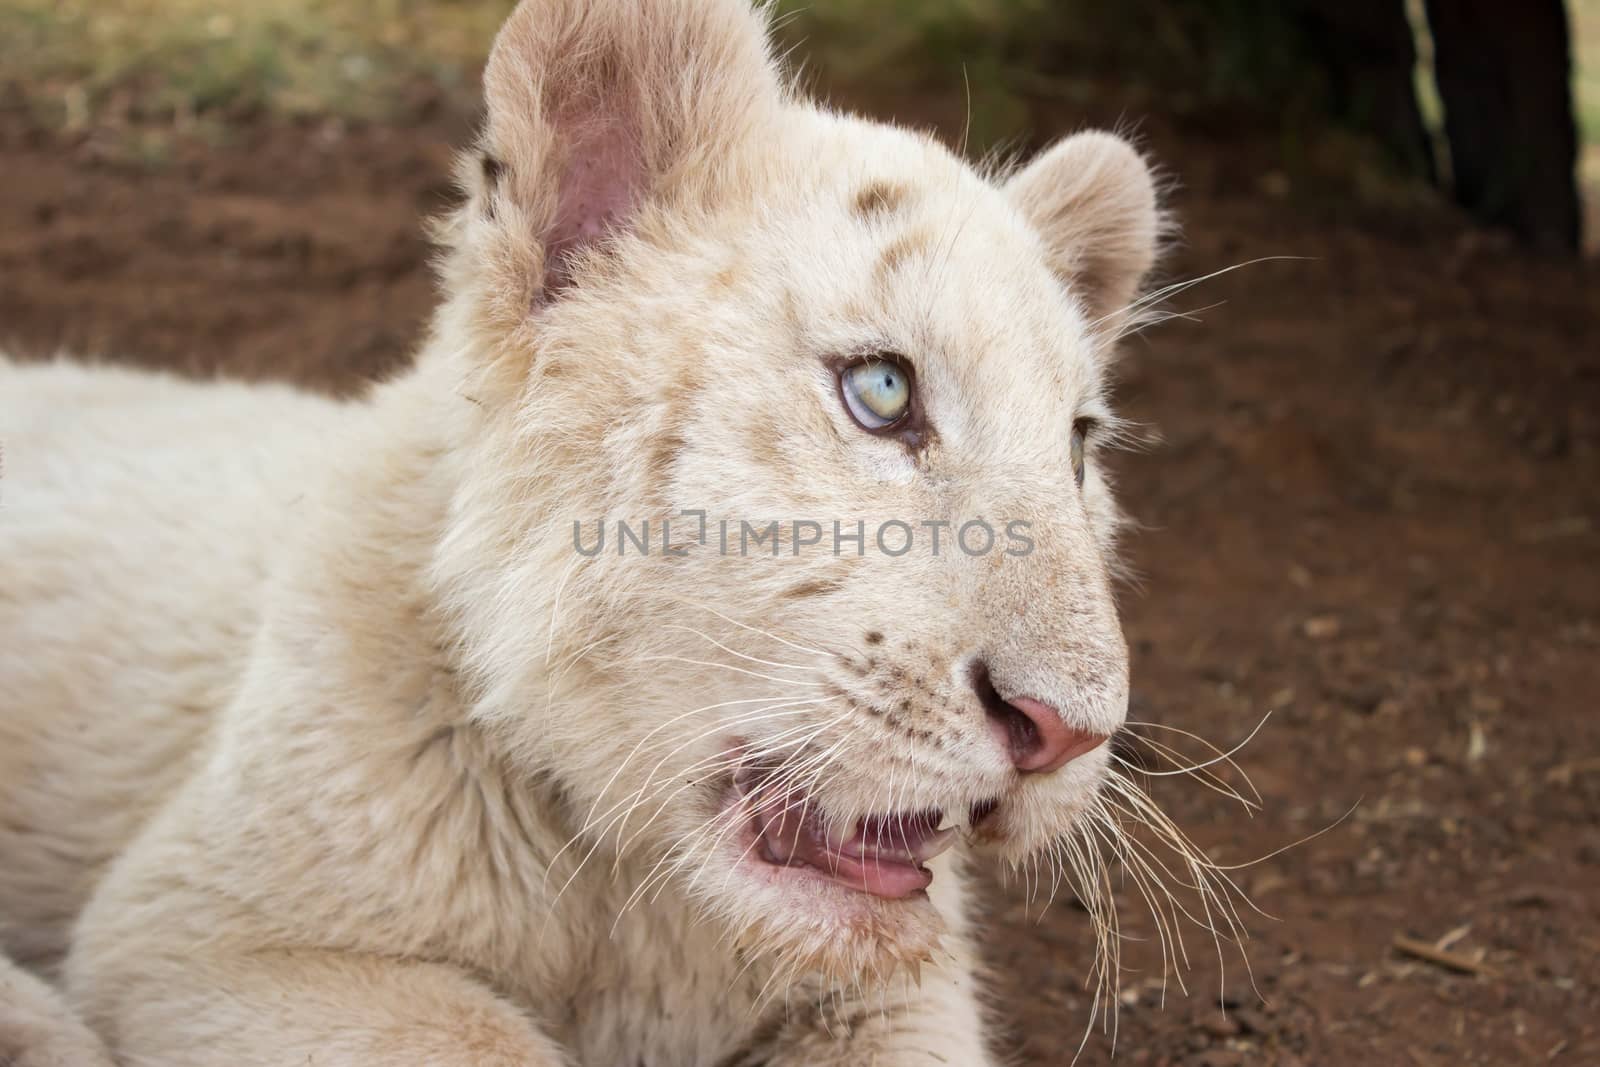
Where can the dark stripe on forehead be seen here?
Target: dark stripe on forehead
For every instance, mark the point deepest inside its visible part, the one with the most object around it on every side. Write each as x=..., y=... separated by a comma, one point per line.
x=899, y=250
x=879, y=198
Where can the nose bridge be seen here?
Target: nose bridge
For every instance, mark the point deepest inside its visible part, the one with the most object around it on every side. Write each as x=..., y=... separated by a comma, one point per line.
x=1047, y=550
x=1049, y=624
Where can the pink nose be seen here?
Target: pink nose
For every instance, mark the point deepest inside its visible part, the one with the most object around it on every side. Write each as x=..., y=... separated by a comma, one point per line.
x=1033, y=734
x=1038, y=739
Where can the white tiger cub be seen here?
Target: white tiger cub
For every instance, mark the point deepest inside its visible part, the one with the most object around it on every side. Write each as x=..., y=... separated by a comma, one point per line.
x=328, y=737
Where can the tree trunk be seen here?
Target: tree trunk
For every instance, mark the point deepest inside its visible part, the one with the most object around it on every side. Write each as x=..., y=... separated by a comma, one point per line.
x=1505, y=76
x=1367, y=49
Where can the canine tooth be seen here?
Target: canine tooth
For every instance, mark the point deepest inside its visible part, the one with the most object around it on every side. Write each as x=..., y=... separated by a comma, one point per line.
x=934, y=844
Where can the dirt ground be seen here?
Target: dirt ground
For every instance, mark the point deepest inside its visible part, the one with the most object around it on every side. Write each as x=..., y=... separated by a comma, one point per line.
x=1374, y=509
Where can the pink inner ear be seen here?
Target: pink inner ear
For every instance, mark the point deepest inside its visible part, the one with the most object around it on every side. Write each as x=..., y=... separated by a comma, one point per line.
x=599, y=192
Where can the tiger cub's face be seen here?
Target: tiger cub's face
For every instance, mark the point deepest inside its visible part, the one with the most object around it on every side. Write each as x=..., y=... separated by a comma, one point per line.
x=845, y=393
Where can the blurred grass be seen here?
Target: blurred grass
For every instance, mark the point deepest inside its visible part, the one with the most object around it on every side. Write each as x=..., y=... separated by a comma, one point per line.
x=1586, y=54
x=143, y=61
x=1586, y=100
x=78, y=61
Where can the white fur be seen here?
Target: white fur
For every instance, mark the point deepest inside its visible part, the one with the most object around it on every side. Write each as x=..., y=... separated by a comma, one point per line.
x=318, y=743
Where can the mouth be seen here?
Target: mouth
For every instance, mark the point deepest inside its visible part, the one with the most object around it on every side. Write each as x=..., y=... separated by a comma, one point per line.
x=883, y=855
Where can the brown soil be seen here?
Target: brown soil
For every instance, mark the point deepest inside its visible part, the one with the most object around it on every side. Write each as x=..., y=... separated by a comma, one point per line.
x=1374, y=509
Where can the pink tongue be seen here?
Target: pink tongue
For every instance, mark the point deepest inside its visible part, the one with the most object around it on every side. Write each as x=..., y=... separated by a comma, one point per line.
x=878, y=859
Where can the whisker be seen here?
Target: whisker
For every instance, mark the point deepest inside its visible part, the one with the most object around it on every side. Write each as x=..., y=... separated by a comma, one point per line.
x=756, y=629
x=724, y=666
x=735, y=652
x=1224, y=757
x=1293, y=844
x=1232, y=765
x=1157, y=295
x=710, y=764
x=759, y=715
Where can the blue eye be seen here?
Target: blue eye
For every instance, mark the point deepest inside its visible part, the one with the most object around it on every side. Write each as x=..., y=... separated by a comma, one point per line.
x=877, y=393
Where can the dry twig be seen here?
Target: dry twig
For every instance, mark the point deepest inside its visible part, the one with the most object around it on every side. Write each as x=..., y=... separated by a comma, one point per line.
x=1430, y=953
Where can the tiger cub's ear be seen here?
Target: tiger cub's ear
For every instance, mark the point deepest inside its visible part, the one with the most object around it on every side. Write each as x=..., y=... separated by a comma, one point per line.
x=596, y=106
x=1093, y=199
